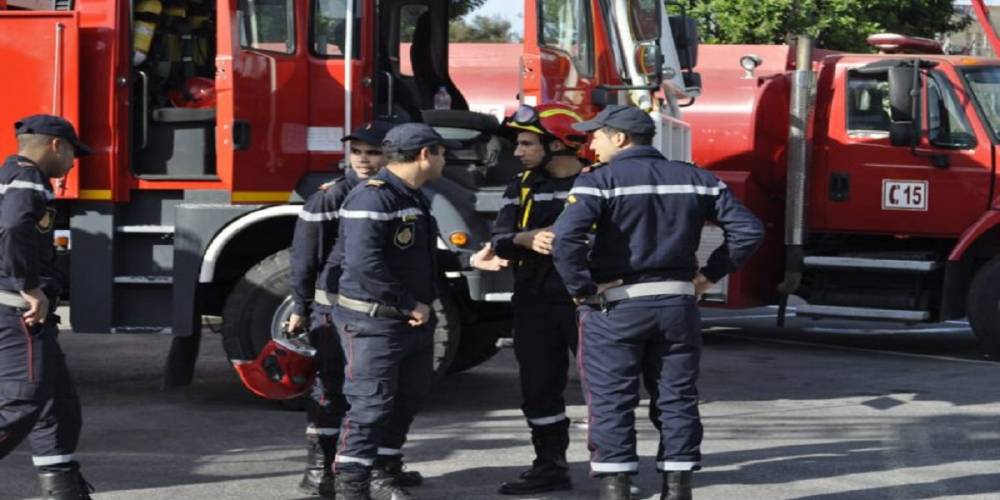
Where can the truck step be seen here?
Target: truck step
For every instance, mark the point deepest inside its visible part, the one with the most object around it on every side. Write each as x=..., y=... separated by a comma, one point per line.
x=821, y=311
x=909, y=266
x=144, y=280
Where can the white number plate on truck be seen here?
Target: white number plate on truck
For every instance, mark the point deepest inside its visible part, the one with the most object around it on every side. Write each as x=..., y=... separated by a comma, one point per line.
x=904, y=195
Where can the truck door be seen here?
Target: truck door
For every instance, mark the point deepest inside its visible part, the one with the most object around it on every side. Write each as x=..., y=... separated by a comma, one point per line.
x=558, y=51
x=328, y=76
x=40, y=77
x=263, y=107
x=864, y=184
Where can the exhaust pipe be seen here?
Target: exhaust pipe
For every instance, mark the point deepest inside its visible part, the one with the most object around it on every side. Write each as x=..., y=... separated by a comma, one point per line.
x=796, y=188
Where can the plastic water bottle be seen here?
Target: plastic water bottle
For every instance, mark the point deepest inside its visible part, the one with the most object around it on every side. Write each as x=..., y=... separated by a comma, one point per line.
x=442, y=99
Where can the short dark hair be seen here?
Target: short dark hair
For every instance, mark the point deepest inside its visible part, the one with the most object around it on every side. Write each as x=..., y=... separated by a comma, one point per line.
x=408, y=156
x=635, y=139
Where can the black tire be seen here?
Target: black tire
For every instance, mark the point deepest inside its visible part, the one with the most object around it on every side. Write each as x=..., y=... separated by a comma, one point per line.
x=478, y=345
x=447, y=332
x=983, y=307
x=252, y=304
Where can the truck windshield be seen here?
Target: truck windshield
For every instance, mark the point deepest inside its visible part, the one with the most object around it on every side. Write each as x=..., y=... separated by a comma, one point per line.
x=984, y=83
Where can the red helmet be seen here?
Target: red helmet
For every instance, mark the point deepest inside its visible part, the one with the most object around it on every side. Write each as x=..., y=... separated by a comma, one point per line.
x=284, y=369
x=197, y=92
x=553, y=120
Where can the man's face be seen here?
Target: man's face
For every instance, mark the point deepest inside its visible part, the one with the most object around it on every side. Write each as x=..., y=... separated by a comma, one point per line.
x=605, y=145
x=435, y=159
x=366, y=160
x=530, y=150
x=59, y=158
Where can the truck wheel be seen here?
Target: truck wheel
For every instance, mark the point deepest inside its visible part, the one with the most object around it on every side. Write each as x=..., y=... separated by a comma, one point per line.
x=447, y=333
x=258, y=305
x=476, y=349
x=983, y=307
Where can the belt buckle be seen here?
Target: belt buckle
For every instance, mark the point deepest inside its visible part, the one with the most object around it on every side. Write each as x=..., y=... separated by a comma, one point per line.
x=602, y=302
x=373, y=309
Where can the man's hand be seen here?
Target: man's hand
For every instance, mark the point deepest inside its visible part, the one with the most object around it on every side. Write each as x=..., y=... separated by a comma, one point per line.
x=420, y=314
x=701, y=285
x=539, y=240
x=601, y=288
x=296, y=324
x=486, y=260
x=38, y=306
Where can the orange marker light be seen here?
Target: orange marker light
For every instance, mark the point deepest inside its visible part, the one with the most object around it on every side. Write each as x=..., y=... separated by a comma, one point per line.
x=459, y=239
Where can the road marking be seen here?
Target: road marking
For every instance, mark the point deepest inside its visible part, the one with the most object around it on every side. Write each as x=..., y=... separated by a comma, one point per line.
x=860, y=349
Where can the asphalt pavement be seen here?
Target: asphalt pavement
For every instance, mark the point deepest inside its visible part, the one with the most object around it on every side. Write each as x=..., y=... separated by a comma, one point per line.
x=821, y=410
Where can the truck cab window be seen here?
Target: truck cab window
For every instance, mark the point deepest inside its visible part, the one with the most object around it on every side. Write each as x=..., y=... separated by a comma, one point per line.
x=330, y=29
x=268, y=25
x=566, y=26
x=868, y=105
x=409, y=17
x=946, y=124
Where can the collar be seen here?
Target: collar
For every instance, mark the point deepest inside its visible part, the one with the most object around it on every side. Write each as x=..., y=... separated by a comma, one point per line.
x=638, y=152
x=24, y=162
x=395, y=182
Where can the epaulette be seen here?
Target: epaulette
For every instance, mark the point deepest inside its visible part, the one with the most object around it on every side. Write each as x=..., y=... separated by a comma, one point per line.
x=375, y=183
x=329, y=184
x=592, y=167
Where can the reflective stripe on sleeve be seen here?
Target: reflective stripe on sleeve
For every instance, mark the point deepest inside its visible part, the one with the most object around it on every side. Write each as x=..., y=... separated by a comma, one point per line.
x=381, y=216
x=650, y=189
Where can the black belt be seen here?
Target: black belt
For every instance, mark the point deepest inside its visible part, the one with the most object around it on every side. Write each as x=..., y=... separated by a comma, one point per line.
x=373, y=309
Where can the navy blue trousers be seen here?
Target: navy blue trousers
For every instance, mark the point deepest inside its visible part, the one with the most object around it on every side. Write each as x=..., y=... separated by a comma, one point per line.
x=657, y=339
x=389, y=369
x=38, y=400
x=545, y=334
x=326, y=405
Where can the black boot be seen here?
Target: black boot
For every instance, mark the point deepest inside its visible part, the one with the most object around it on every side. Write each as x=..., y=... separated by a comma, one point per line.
x=615, y=487
x=549, y=471
x=385, y=487
x=676, y=485
x=318, y=477
x=64, y=483
x=352, y=485
x=393, y=466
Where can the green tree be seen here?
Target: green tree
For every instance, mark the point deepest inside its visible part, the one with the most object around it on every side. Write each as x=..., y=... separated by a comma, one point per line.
x=835, y=24
x=459, y=8
x=481, y=29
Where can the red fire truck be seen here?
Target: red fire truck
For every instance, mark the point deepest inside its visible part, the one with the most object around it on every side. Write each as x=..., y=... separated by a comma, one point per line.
x=211, y=120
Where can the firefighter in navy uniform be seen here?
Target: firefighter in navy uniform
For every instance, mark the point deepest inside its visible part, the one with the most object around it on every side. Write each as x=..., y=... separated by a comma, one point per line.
x=383, y=309
x=37, y=397
x=626, y=248
x=312, y=243
x=545, y=330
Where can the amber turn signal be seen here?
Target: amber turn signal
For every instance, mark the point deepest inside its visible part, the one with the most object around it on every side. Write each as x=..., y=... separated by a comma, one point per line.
x=459, y=239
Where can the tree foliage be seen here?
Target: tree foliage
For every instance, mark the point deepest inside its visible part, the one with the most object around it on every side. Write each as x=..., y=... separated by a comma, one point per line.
x=482, y=29
x=834, y=24
x=459, y=8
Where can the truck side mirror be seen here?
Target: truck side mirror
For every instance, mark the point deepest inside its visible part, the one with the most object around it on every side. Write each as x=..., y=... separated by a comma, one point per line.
x=649, y=59
x=905, y=83
x=685, y=32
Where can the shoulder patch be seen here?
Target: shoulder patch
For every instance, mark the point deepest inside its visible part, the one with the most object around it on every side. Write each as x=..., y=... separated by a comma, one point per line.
x=592, y=167
x=327, y=185
x=375, y=183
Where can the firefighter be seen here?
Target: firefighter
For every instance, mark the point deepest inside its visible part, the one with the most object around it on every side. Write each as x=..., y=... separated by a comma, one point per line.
x=313, y=240
x=383, y=310
x=625, y=247
x=544, y=314
x=38, y=399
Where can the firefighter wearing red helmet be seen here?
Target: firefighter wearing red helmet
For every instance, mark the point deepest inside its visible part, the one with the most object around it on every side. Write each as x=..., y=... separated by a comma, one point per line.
x=545, y=329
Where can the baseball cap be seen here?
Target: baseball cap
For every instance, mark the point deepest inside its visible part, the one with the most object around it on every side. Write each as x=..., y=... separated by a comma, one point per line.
x=624, y=118
x=53, y=126
x=372, y=132
x=414, y=136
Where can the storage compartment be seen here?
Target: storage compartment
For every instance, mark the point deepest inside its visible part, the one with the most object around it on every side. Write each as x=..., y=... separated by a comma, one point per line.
x=181, y=144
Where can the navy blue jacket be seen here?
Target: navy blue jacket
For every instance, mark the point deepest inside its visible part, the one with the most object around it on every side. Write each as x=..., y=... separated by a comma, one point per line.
x=390, y=240
x=313, y=241
x=27, y=254
x=647, y=215
x=532, y=200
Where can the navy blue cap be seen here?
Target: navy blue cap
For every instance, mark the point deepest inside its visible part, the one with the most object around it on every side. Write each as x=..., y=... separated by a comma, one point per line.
x=624, y=118
x=414, y=136
x=372, y=132
x=54, y=126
